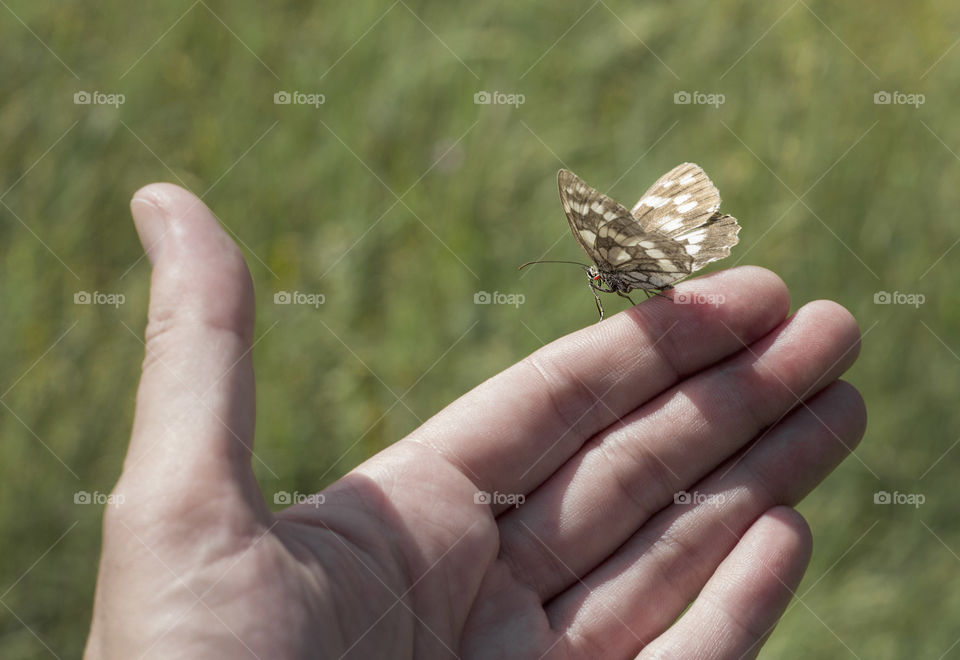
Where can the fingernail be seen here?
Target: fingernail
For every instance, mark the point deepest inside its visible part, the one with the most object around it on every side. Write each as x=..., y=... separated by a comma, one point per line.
x=151, y=224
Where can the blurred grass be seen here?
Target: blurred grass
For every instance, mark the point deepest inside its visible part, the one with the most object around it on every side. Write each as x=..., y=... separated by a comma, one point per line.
x=301, y=187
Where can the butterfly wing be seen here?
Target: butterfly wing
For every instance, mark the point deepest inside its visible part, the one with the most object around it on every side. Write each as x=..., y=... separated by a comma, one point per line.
x=587, y=211
x=653, y=263
x=682, y=205
x=615, y=240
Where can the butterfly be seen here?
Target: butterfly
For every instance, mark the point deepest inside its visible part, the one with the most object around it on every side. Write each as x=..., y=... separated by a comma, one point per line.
x=674, y=230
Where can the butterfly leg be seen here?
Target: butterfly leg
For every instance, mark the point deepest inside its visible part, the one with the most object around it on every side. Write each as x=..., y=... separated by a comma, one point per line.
x=593, y=290
x=623, y=295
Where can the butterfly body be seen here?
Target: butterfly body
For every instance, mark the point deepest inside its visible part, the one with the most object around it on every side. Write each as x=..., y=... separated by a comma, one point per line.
x=672, y=231
x=608, y=281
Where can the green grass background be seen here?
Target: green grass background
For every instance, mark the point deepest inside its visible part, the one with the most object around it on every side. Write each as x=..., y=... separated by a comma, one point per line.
x=310, y=192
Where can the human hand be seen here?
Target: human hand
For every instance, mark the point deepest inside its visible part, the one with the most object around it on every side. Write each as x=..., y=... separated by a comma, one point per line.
x=734, y=404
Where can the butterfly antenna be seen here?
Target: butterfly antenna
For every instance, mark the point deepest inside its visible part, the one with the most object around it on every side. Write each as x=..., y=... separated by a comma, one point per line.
x=575, y=263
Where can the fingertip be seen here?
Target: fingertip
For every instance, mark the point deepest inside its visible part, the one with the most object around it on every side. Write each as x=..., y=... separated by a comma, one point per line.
x=743, y=289
x=199, y=273
x=169, y=216
x=753, y=275
x=847, y=411
x=793, y=536
x=746, y=301
x=165, y=195
x=149, y=219
x=158, y=210
x=765, y=288
x=840, y=314
x=857, y=407
x=766, y=280
x=750, y=273
x=836, y=325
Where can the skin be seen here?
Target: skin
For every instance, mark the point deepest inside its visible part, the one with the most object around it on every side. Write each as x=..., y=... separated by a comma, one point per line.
x=737, y=403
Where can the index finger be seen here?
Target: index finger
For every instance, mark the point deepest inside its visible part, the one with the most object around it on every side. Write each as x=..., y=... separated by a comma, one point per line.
x=512, y=432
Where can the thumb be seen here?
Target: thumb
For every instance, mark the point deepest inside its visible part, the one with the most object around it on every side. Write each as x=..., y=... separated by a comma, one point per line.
x=193, y=428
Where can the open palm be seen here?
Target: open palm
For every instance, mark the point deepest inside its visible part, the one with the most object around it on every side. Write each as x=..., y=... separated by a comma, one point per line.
x=572, y=506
